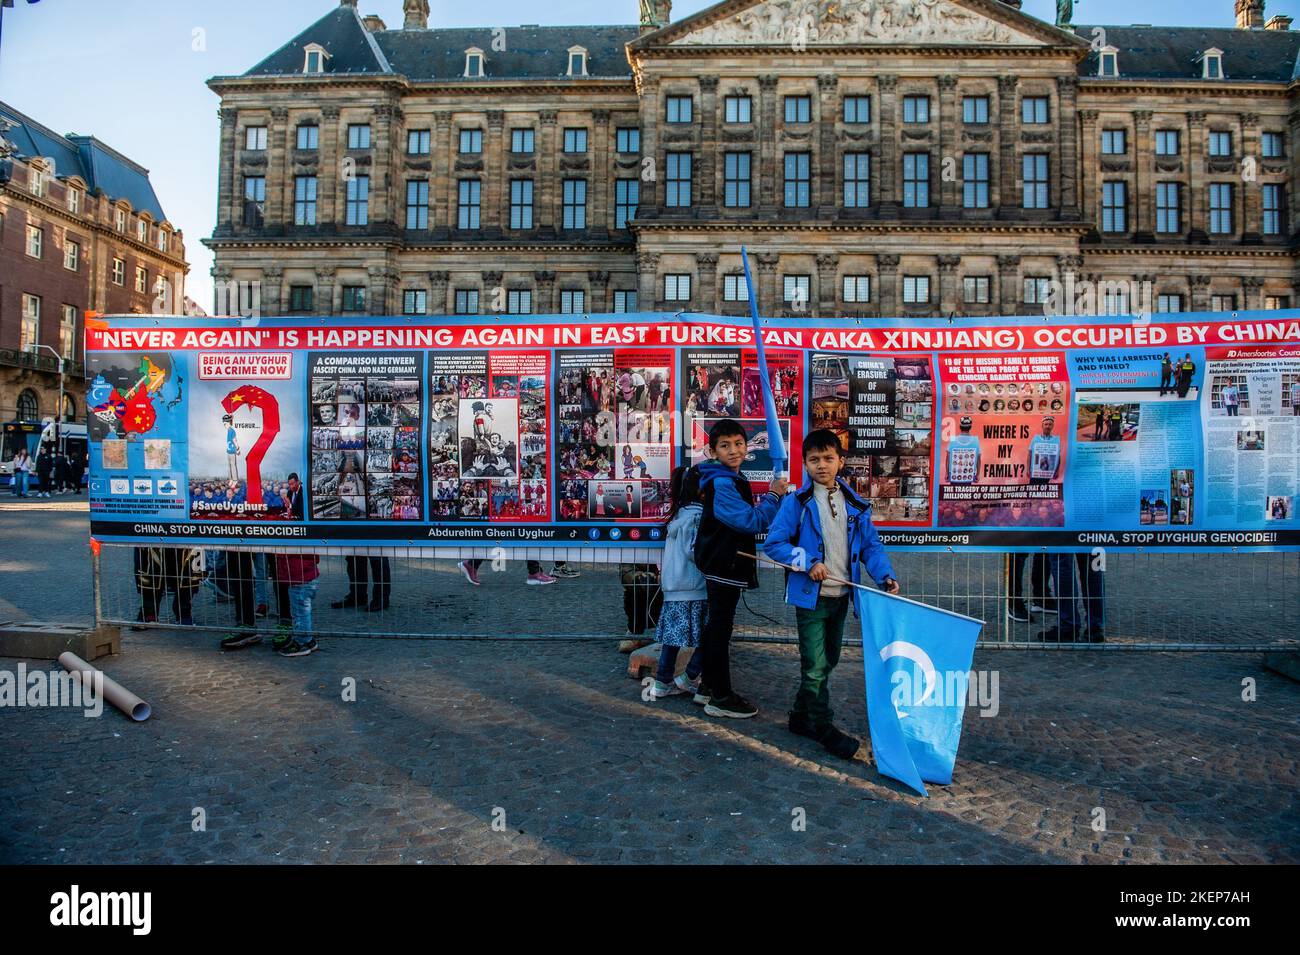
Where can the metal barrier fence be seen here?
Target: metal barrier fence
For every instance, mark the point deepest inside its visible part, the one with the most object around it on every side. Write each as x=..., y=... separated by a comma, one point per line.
x=1150, y=601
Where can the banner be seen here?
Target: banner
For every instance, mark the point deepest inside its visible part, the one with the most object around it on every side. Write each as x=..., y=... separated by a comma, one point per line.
x=1177, y=432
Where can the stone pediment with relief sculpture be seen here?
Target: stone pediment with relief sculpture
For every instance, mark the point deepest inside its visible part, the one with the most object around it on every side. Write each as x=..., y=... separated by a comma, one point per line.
x=856, y=22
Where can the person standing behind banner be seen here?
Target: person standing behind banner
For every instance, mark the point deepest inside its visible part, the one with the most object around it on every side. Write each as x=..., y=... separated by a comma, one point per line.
x=360, y=571
x=240, y=579
x=1071, y=627
x=299, y=573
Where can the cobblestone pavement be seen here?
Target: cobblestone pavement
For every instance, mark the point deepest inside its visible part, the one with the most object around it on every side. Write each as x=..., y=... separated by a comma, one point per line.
x=554, y=739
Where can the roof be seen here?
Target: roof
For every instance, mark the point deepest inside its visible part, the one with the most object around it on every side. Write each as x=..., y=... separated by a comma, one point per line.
x=532, y=52
x=102, y=168
x=1172, y=53
x=351, y=47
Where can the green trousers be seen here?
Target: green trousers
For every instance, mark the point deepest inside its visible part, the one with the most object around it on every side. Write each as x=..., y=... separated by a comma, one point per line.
x=821, y=634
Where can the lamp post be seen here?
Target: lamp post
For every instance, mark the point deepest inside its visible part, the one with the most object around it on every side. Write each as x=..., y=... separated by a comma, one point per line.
x=58, y=413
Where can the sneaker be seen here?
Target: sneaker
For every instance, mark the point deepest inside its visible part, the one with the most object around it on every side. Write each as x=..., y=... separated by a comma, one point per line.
x=631, y=643
x=686, y=684
x=186, y=621
x=660, y=690
x=345, y=603
x=282, y=637
x=1017, y=611
x=565, y=571
x=1096, y=635
x=1057, y=634
x=471, y=574
x=735, y=707
x=261, y=610
x=299, y=648
x=540, y=579
x=839, y=743
x=240, y=639
x=1043, y=606
x=702, y=695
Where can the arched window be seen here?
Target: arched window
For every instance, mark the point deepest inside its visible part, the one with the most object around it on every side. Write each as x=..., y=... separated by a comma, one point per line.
x=69, y=407
x=29, y=406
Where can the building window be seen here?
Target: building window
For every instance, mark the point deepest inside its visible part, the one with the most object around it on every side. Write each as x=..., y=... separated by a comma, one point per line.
x=916, y=289
x=1223, y=303
x=677, y=288
x=1114, y=142
x=1033, y=110
x=519, y=301
x=71, y=255
x=1220, y=142
x=119, y=220
x=1212, y=65
x=254, y=200
x=1034, y=190
x=162, y=240
x=1168, y=207
x=734, y=289
x=577, y=62
x=255, y=138
x=678, y=193
x=36, y=181
x=975, y=180
x=857, y=288
x=467, y=205
x=1114, y=207
x=29, y=407
x=627, y=194
x=471, y=141
x=974, y=109
x=736, y=180
x=1169, y=303
x=575, y=140
x=521, y=141
x=573, y=301
x=575, y=203
x=795, y=290
x=798, y=180
x=314, y=60
x=1115, y=303
x=301, y=298
x=359, y=136
x=1037, y=288
x=521, y=203
x=1108, y=62
x=74, y=199
x=35, y=241
x=628, y=140
x=418, y=142
x=417, y=204
x=1271, y=224
x=916, y=109
x=304, y=200
x=737, y=109
x=916, y=180
x=119, y=272
x=308, y=136
x=1220, y=208
x=975, y=289
x=678, y=109
x=857, y=180
x=1274, y=302
x=354, y=298
x=29, y=333
x=415, y=301
x=141, y=231
x=466, y=301
x=473, y=63
x=141, y=279
x=68, y=332
x=357, y=211
x=798, y=109
x=1271, y=145
x=857, y=109
x=1167, y=142
x=624, y=300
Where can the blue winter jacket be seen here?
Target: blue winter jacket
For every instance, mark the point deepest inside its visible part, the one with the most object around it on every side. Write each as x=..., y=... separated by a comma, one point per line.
x=798, y=525
x=728, y=526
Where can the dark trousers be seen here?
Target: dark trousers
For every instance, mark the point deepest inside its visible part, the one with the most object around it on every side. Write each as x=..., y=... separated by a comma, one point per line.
x=182, y=603
x=641, y=604
x=1166, y=379
x=821, y=635
x=1037, y=578
x=1091, y=590
x=240, y=584
x=360, y=571
x=283, y=612
x=715, y=642
x=533, y=566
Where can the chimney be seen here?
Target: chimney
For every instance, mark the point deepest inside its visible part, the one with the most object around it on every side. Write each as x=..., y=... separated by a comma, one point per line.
x=655, y=14
x=1278, y=22
x=417, y=15
x=348, y=3
x=1250, y=14
x=1014, y=4
x=373, y=23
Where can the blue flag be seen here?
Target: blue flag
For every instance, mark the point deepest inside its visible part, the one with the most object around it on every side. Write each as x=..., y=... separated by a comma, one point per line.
x=775, y=443
x=918, y=661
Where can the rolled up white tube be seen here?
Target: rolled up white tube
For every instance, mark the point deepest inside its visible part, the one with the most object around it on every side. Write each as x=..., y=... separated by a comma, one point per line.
x=114, y=692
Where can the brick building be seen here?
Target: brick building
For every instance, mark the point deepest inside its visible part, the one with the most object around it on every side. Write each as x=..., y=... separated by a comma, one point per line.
x=80, y=229
x=909, y=157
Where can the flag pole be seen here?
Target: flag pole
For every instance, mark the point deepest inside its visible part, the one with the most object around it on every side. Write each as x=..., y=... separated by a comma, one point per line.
x=775, y=443
x=791, y=567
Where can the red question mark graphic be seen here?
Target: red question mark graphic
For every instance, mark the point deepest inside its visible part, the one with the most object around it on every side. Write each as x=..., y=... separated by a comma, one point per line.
x=251, y=396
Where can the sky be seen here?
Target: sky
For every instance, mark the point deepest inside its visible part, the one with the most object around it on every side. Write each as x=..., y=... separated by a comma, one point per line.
x=132, y=72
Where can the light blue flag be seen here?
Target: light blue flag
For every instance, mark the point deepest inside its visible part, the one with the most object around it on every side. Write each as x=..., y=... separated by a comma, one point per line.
x=918, y=661
x=775, y=443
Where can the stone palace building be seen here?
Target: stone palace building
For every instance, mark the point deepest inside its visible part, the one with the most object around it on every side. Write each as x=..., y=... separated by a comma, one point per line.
x=877, y=157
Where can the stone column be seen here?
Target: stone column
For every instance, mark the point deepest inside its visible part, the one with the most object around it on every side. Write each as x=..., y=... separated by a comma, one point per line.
x=769, y=296
x=1198, y=195
x=329, y=172
x=229, y=161
x=600, y=210
x=382, y=188
x=709, y=156
x=325, y=290
x=381, y=278
x=648, y=294
x=648, y=94
x=1252, y=295
x=547, y=298
x=438, y=303
x=1292, y=193
x=495, y=201
x=279, y=173
x=887, y=284
x=548, y=198
x=1091, y=169
x=1200, y=293
x=827, y=155
x=767, y=158
x=948, y=301
x=706, y=267
x=1006, y=201
x=1008, y=297
x=493, y=298
x=442, y=188
x=598, y=298
x=949, y=129
x=1066, y=195
x=827, y=285
x=1248, y=212
x=886, y=101
x=272, y=276
x=1144, y=200
x=225, y=296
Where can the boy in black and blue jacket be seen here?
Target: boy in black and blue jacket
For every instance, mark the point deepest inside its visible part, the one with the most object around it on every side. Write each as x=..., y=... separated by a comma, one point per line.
x=729, y=521
x=825, y=531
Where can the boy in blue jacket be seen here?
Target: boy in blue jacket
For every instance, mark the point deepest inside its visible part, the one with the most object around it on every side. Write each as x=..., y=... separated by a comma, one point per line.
x=825, y=530
x=728, y=523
